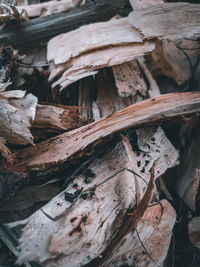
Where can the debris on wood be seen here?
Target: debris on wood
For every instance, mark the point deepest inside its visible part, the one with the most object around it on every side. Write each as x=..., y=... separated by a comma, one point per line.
x=99, y=135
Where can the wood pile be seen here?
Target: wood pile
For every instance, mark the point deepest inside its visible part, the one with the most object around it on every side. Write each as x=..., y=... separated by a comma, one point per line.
x=99, y=133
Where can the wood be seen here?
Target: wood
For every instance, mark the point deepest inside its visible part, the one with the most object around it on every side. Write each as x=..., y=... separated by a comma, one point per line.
x=133, y=77
x=59, y=149
x=16, y=118
x=115, y=32
x=194, y=232
x=108, y=101
x=169, y=21
x=83, y=66
x=171, y=61
x=73, y=62
x=62, y=243
x=129, y=80
x=55, y=118
x=45, y=28
x=48, y=8
x=189, y=172
x=5, y=151
x=137, y=4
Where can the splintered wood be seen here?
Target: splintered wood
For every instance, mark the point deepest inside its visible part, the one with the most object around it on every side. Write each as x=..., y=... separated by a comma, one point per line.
x=129, y=38
x=57, y=150
x=79, y=235
x=91, y=153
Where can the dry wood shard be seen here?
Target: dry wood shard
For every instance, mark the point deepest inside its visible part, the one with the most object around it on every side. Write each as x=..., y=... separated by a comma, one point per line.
x=84, y=232
x=78, y=61
x=59, y=149
x=49, y=7
x=189, y=173
x=168, y=21
x=91, y=37
x=55, y=118
x=16, y=118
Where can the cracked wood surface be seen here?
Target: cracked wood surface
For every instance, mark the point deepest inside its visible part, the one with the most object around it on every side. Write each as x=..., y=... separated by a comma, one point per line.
x=61, y=148
x=84, y=232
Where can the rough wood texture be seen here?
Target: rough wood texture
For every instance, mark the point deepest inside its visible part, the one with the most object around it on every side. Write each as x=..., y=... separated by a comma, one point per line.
x=47, y=27
x=137, y=4
x=168, y=21
x=115, y=32
x=50, y=7
x=16, y=117
x=194, y=232
x=108, y=101
x=134, y=79
x=5, y=151
x=189, y=172
x=129, y=80
x=85, y=64
x=84, y=232
x=75, y=62
x=171, y=61
x=59, y=149
x=54, y=118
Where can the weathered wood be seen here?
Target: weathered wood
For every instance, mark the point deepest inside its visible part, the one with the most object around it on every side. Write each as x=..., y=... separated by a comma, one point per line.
x=85, y=230
x=171, y=61
x=189, y=172
x=87, y=64
x=45, y=28
x=16, y=117
x=115, y=32
x=77, y=61
x=57, y=118
x=167, y=21
x=194, y=232
x=137, y=4
x=57, y=150
x=108, y=101
x=129, y=80
x=50, y=7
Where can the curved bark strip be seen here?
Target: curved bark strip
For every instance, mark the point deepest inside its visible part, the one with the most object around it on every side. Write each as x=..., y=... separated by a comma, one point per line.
x=63, y=147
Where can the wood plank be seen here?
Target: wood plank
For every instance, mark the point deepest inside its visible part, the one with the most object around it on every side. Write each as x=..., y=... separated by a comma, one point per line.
x=61, y=148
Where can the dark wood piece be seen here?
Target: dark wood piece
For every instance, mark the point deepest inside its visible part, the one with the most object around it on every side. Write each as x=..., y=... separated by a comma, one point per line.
x=44, y=28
